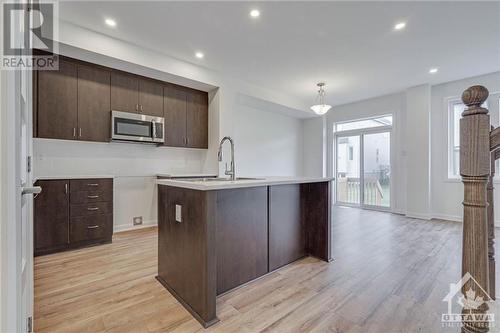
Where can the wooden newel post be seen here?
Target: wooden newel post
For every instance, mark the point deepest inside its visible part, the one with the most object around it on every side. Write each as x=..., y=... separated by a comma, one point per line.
x=475, y=172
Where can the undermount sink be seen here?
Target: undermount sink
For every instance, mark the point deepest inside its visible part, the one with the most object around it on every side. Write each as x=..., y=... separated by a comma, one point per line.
x=219, y=179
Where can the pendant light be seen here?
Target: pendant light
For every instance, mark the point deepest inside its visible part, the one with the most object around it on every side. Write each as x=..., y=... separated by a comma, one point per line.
x=321, y=108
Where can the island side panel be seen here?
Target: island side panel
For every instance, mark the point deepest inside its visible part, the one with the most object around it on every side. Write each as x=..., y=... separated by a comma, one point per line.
x=242, y=236
x=316, y=214
x=287, y=239
x=186, y=255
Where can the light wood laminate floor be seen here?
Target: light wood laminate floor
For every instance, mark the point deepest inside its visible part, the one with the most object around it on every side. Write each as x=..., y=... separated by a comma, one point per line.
x=389, y=275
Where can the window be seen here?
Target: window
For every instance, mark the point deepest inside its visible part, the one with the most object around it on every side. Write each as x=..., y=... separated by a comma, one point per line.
x=351, y=153
x=455, y=109
x=364, y=123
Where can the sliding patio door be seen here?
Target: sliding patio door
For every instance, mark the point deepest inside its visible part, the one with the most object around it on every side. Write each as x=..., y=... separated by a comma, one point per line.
x=363, y=163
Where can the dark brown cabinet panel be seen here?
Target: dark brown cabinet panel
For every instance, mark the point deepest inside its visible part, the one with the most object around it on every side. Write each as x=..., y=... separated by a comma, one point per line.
x=151, y=98
x=73, y=213
x=97, y=184
x=84, y=229
x=287, y=241
x=175, y=108
x=94, y=120
x=124, y=92
x=57, y=102
x=197, y=119
x=51, y=214
x=242, y=243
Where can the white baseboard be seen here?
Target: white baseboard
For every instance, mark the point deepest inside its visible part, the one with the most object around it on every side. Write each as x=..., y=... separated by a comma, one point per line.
x=456, y=218
x=418, y=216
x=127, y=227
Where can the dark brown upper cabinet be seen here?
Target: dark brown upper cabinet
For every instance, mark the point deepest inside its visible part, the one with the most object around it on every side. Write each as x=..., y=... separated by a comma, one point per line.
x=94, y=121
x=124, y=92
x=186, y=117
x=75, y=103
x=175, y=108
x=57, y=102
x=197, y=119
x=151, y=98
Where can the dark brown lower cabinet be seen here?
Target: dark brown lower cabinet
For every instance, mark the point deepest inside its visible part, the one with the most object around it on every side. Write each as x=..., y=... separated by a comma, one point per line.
x=210, y=242
x=287, y=239
x=241, y=236
x=51, y=216
x=73, y=213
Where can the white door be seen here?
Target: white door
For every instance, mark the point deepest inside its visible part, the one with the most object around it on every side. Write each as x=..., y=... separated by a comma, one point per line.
x=17, y=305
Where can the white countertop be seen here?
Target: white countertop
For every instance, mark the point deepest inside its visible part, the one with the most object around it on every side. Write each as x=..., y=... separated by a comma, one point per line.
x=187, y=175
x=73, y=177
x=223, y=184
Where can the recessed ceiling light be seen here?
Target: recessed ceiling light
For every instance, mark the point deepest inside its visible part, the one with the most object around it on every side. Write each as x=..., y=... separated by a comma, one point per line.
x=199, y=55
x=433, y=70
x=254, y=13
x=110, y=22
x=400, y=26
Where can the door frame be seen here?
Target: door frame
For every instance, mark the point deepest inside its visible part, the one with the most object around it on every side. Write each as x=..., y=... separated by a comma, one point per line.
x=361, y=133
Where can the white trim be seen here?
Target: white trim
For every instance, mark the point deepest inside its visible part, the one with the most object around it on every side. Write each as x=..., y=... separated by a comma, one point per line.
x=456, y=218
x=418, y=216
x=128, y=227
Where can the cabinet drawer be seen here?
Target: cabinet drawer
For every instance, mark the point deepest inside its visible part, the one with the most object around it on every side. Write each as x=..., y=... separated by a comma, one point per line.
x=102, y=184
x=90, y=209
x=82, y=197
x=91, y=228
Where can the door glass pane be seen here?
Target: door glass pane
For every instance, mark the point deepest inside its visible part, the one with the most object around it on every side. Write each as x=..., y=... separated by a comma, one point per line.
x=348, y=182
x=377, y=169
x=365, y=123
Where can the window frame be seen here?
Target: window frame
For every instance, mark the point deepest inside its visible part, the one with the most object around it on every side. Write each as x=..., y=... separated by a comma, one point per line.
x=494, y=116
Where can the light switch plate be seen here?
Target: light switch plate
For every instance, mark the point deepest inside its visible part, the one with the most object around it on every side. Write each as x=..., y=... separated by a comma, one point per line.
x=178, y=213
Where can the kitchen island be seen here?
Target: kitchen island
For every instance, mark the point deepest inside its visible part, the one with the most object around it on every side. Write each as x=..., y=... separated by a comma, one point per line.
x=216, y=235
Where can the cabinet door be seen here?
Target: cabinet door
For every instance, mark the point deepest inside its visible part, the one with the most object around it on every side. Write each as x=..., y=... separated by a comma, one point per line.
x=197, y=119
x=151, y=98
x=175, y=103
x=287, y=241
x=57, y=102
x=94, y=116
x=51, y=216
x=242, y=237
x=124, y=92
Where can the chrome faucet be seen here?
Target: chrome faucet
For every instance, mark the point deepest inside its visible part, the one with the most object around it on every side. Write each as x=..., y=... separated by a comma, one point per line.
x=230, y=172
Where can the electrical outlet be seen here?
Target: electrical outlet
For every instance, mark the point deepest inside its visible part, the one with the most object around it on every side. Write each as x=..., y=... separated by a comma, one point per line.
x=138, y=220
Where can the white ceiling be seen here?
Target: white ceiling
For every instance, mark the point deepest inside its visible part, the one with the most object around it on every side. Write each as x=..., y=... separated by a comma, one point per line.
x=293, y=45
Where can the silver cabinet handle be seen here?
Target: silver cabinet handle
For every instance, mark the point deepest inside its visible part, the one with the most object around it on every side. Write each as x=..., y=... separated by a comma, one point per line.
x=80, y=132
x=92, y=208
x=93, y=184
x=92, y=196
x=74, y=132
x=93, y=227
x=142, y=109
x=66, y=188
x=137, y=107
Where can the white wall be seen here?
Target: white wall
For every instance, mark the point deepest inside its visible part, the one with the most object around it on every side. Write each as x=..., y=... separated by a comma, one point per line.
x=267, y=144
x=447, y=194
x=417, y=147
x=315, y=147
x=280, y=140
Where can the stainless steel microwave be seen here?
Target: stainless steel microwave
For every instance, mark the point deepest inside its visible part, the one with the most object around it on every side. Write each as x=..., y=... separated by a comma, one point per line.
x=127, y=126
